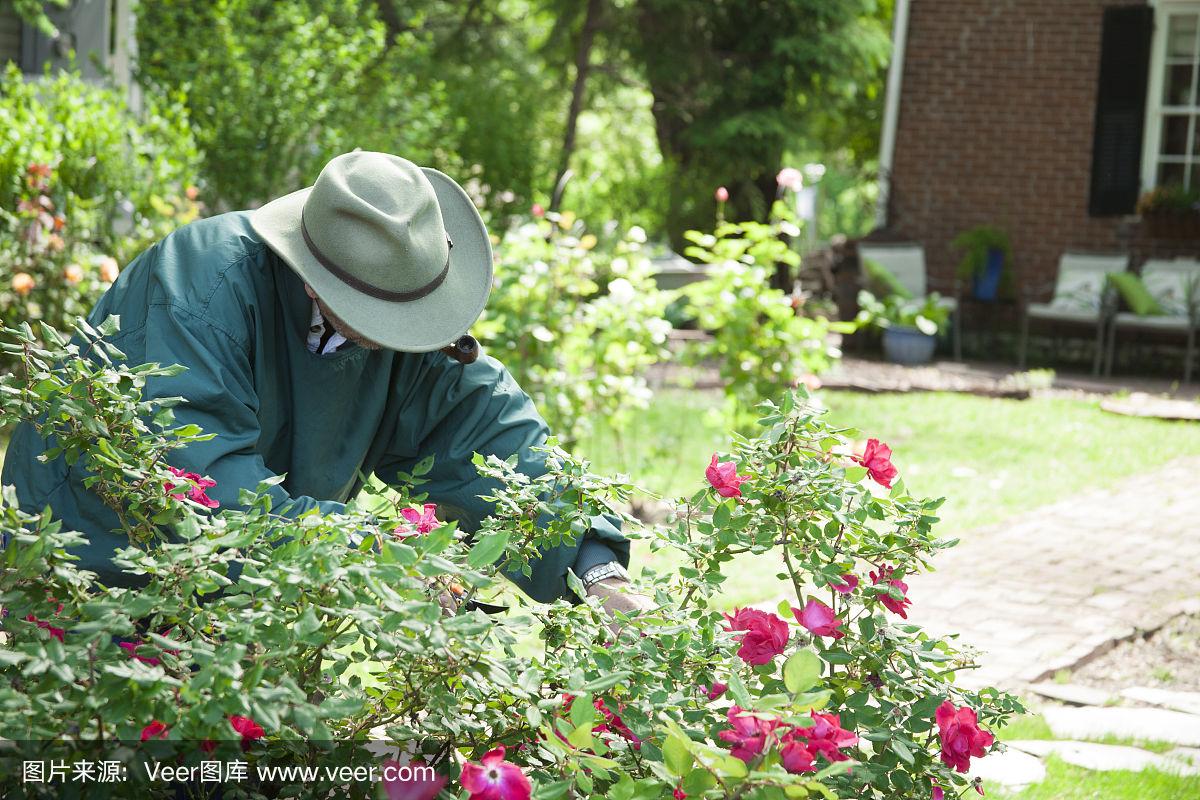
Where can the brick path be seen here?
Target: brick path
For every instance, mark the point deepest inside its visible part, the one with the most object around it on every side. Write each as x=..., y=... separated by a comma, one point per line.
x=1040, y=591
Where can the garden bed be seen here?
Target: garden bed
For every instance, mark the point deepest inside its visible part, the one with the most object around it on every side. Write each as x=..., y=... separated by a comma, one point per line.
x=1167, y=658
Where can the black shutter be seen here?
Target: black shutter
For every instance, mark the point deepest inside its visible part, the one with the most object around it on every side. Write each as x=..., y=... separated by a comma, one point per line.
x=1120, y=110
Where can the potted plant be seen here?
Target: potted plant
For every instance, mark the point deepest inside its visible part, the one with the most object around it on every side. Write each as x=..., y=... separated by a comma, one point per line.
x=1171, y=212
x=986, y=261
x=910, y=326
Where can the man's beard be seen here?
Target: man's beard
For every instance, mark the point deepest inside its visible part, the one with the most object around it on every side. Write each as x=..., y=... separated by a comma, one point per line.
x=345, y=330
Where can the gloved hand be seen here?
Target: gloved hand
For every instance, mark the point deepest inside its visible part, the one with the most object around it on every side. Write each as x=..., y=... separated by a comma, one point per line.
x=617, y=594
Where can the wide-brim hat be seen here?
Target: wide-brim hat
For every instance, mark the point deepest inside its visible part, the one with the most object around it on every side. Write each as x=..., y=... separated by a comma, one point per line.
x=397, y=251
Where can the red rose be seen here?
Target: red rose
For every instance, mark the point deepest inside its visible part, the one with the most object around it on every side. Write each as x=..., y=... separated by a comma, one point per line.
x=892, y=604
x=958, y=729
x=765, y=637
x=877, y=459
x=848, y=585
x=249, y=730
x=56, y=633
x=155, y=730
x=415, y=788
x=196, y=490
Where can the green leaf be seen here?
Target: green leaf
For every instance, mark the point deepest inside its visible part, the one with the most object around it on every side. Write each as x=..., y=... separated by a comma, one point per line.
x=489, y=548
x=676, y=755
x=801, y=671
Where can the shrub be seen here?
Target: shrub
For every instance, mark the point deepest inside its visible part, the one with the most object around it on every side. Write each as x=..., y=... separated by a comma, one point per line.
x=86, y=186
x=578, y=326
x=287, y=635
x=761, y=340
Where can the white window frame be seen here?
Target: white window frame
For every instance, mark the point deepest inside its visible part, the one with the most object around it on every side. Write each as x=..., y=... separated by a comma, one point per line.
x=1154, y=105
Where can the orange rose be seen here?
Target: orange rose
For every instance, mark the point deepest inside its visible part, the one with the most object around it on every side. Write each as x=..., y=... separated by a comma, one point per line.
x=23, y=283
x=192, y=192
x=109, y=269
x=73, y=274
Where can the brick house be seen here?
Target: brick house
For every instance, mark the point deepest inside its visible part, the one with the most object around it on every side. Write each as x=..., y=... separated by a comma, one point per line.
x=1047, y=119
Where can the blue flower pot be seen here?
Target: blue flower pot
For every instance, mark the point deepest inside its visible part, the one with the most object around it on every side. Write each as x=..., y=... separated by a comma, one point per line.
x=908, y=345
x=987, y=285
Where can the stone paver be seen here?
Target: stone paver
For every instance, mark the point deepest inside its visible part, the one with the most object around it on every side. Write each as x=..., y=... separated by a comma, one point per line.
x=1103, y=757
x=1188, y=702
x=1013, y=769
x=1148, y=724
x=1056, y=585
x=1073, y=693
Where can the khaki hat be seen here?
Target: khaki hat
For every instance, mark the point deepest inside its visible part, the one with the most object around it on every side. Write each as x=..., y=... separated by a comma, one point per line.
x=397, y=251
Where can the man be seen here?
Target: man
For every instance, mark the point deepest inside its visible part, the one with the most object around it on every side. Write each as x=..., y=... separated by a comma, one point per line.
x=312, y=331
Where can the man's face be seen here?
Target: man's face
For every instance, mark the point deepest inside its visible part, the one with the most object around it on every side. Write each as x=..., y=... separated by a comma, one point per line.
x=340, y=326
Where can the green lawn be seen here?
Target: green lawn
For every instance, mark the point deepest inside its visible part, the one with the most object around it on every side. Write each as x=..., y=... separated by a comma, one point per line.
x=991, y=458
x=1067, y=782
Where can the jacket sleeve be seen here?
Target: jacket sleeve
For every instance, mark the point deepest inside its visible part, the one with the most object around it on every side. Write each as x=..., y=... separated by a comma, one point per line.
x=218, y=388
x=457, y=410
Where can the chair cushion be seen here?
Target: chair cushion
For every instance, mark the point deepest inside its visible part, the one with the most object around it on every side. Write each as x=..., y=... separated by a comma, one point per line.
x=1135, y=293
x=1159, y=323
x=1172, y=283
x=1063, y=314
x=882, y=281
x=1081, y=277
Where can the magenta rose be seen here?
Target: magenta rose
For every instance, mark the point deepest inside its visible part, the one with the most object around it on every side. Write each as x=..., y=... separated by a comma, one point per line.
x=724, y=478
x=819, y=619
x=961, y=736
x=877, y=458
x=495, y=779
x=765, y=635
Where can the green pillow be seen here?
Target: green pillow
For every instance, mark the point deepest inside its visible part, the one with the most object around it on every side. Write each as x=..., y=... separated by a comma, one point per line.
x=882, y=281
x=1135, y=293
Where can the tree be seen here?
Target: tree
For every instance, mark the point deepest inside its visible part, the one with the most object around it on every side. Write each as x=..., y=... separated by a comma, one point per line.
x=737, y=83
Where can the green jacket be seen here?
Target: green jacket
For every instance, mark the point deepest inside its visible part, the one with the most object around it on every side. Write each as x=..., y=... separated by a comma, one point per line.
x=215, y=299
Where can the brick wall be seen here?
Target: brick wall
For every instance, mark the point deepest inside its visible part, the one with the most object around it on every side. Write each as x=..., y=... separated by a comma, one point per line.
x=995, y=127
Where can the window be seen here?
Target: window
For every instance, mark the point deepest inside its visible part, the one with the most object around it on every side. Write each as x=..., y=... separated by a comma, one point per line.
x=1172, y=145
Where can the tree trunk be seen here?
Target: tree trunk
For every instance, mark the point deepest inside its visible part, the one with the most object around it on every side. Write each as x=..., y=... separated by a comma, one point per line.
x=583, y=55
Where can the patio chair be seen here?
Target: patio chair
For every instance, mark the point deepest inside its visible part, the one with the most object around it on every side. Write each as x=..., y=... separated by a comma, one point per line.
x=906, y=261
x=1081, y=298
x=1174, y=286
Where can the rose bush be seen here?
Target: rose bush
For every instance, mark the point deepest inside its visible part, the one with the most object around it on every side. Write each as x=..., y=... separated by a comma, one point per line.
x=576, y=324
x=762, y=340
x=86, y=186
x=298, y=642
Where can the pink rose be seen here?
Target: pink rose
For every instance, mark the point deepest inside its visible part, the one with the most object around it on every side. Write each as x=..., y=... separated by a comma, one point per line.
x=748, y=734
x=765, y=637
x=848, y=585
x=495, y=779
x=721, y=194
x=155, y=730
x=724, y=478
x=877, y=459
x=790, y=178
x=415, y=788
x=958, y=729
x=889, y=602
x=679, y=794
x=937, y=793
x=537, y=210
x=424, y=520
x=716, y=690
x=826, y=736
x=819, y=619
x=196, y=491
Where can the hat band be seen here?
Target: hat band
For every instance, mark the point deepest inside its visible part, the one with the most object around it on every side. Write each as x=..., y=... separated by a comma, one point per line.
x=370, y=288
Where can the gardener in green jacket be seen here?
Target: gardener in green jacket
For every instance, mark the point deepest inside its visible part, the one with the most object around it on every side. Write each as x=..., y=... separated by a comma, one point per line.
x=312, y=330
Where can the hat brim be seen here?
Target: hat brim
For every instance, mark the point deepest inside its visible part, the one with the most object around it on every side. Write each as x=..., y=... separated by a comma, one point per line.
x=429, y=323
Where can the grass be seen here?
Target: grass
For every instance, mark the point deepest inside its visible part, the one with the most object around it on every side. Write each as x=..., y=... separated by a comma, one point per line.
x=1067, y=782
x=991, y=458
